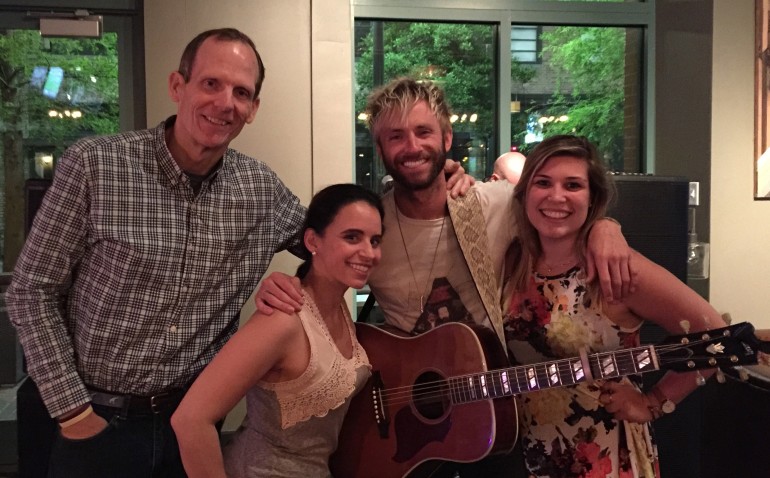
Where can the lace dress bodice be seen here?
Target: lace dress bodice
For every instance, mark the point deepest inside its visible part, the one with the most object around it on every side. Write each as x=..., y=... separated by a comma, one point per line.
x=291, y=427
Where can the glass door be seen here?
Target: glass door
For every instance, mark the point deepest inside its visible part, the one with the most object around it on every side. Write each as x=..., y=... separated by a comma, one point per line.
x=54, y=91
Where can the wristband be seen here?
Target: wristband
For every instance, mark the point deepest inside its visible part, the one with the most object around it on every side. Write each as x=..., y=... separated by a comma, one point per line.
x=77, y=418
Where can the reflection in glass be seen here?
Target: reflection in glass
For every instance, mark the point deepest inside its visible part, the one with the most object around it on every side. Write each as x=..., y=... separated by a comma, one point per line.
x=54, y=91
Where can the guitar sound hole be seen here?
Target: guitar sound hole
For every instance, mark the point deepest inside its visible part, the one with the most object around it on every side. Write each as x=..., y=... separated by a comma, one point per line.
x=430, y=395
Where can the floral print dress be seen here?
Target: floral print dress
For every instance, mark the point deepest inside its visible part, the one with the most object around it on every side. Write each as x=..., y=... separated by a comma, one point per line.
x=565, y=432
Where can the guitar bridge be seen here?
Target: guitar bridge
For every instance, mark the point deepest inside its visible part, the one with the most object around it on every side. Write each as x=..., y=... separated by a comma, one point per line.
x=380, y=412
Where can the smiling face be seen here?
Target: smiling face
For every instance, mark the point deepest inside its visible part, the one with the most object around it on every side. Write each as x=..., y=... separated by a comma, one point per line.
x=413, y=147
x=349, y=247
x=214, y=105
x=558, y=198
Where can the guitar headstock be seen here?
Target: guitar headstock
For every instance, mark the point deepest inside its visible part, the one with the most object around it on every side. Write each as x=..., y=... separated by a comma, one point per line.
x=718, y=348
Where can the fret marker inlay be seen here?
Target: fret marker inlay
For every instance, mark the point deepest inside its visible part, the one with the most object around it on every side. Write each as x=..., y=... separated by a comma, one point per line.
x=577, y=369
x=553, y=374
x=643, y=359
x=532, y=378
x=506, y=385
x=608, y=366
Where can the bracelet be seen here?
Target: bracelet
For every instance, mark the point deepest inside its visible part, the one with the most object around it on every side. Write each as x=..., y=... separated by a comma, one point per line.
x=655, y=410
x=663, y=405
x=77, y=418
x=75, y=411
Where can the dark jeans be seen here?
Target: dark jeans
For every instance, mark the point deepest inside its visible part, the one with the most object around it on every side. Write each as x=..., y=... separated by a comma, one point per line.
x=132, y=446
x=36, y=431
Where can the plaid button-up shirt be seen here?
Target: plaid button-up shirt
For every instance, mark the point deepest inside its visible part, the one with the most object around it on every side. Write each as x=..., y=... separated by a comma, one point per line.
x=131, y=283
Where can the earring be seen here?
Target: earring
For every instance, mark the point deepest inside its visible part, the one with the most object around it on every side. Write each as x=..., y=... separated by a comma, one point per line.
x=312, y=253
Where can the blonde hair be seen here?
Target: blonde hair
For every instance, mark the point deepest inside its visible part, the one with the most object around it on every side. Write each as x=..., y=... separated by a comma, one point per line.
x=399, y=96
x=525, y=250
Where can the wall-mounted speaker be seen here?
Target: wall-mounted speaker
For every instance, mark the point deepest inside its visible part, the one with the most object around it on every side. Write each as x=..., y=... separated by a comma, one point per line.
x=652, y=211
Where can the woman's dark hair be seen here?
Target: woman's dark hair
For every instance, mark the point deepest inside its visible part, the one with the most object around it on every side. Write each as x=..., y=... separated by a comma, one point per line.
x=325, y=206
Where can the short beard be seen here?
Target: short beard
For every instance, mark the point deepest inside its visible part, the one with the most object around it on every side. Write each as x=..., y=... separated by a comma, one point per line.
x=437, y=159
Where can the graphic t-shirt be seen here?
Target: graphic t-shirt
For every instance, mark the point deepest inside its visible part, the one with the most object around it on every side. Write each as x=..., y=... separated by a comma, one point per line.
x=423, y=279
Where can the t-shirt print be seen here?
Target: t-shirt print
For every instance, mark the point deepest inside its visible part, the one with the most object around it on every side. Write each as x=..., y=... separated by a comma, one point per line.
x=443, y=305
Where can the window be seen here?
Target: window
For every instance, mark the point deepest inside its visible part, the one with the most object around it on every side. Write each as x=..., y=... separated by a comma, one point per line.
x=55, y=91
x=575, y=67
x=588, y=83
x=461, y=57
x=524, y=44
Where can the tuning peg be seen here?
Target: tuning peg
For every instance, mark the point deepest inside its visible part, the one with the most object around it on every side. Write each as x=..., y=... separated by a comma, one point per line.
x=699, y=379
x=720, y=376
x=685, y=325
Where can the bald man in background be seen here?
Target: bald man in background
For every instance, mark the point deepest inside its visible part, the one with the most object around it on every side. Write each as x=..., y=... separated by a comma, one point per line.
x=508, y=166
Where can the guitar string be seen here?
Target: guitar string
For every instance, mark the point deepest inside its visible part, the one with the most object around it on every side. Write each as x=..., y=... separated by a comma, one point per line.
x=438, y=394
x=464, y=394
x=460, y=387
x=521, y=369
x=406, y=394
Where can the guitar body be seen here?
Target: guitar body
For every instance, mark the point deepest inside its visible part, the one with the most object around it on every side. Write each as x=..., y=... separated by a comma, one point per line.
x=422, y=430
x=429, y=401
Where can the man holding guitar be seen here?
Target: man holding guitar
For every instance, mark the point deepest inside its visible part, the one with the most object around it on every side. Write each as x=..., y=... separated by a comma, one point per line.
x=429, y=273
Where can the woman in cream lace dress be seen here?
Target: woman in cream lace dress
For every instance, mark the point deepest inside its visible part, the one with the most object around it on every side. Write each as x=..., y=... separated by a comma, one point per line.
x=298, y=372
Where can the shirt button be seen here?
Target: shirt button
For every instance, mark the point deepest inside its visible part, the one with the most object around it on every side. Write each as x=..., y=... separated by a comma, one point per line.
x=184, y=288
x=172, y=328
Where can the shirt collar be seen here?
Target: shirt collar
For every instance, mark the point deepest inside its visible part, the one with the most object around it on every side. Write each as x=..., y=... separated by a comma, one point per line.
x=166, y=162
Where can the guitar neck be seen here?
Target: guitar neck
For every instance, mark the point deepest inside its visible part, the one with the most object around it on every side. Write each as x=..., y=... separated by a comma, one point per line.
x=557, y=373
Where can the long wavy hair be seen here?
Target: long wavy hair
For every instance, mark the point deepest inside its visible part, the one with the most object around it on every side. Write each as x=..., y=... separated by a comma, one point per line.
x=526, y=249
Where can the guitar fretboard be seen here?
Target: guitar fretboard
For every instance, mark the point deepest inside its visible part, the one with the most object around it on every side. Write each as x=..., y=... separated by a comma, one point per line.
x=558, y=373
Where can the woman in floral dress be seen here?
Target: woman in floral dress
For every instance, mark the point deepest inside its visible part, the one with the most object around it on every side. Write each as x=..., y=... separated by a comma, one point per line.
x=599, y=429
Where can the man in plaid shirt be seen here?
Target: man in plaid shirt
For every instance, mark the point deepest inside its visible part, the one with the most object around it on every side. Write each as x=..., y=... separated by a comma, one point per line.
x=144, y=250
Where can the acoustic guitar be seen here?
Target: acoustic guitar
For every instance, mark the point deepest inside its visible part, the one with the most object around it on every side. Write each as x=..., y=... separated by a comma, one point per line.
x=444, y=395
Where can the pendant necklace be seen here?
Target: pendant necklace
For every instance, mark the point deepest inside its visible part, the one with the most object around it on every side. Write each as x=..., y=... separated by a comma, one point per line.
x=550, y=268
x=409, y=260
